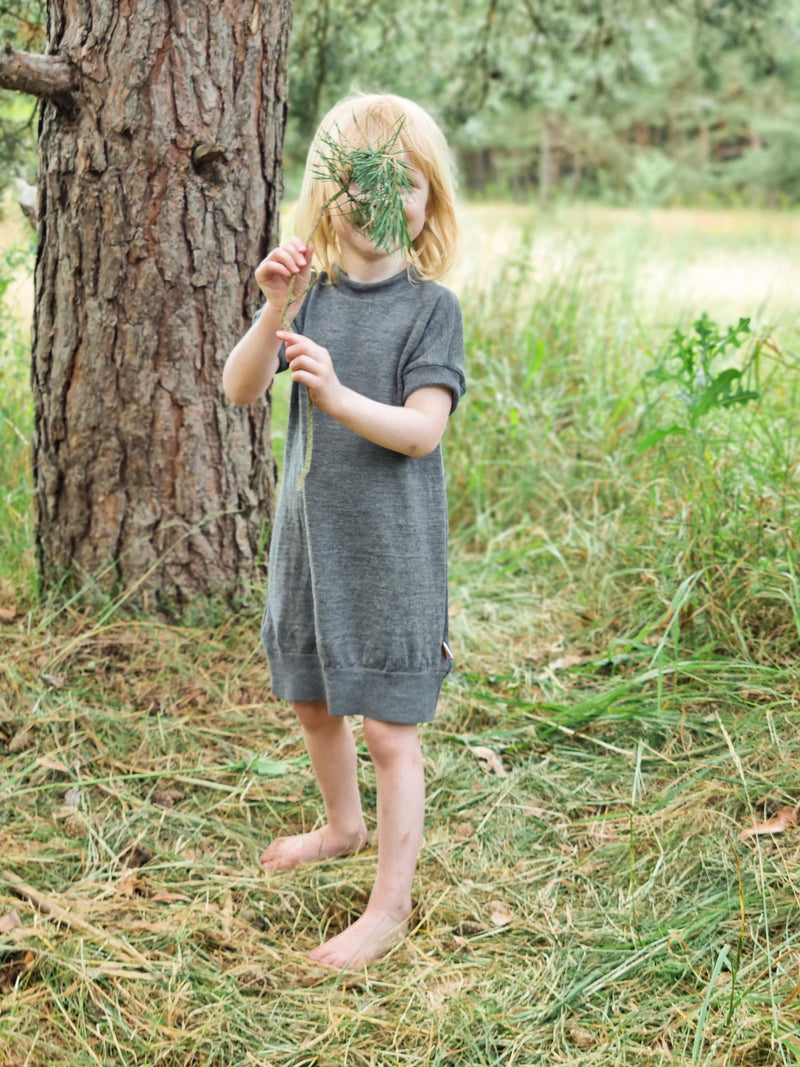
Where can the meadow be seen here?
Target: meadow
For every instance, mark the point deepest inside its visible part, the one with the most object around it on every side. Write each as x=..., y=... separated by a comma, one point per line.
x=609, y=874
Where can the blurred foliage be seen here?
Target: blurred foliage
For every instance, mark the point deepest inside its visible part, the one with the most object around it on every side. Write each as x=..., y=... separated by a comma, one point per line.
x=620, y=100
x=21, y=26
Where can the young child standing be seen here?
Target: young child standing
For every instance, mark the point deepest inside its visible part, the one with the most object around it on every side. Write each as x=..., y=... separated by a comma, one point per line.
x=356, y=615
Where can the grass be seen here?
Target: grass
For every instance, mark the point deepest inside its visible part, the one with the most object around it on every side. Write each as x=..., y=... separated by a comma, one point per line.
x=625, y=703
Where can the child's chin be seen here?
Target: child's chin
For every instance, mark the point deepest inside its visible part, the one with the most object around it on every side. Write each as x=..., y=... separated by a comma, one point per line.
x=367, y=244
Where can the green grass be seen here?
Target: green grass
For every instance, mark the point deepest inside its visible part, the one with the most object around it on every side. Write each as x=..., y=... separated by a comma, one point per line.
x=626, y=620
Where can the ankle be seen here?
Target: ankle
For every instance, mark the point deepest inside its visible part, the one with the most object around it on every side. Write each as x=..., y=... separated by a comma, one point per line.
x=397, y=908
x=349, y=833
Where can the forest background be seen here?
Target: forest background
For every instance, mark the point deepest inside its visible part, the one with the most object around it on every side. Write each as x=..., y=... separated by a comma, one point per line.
x=622, y=102
x=609, y=871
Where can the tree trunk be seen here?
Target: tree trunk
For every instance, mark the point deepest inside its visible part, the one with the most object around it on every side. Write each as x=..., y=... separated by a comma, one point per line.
x=160, y=183
x=548, y=162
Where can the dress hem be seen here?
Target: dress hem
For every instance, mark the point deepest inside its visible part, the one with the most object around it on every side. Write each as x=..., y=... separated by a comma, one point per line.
x=388, y=696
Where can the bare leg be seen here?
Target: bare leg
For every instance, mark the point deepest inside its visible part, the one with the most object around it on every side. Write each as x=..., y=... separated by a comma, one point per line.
x=333, y=759
x=395, y=751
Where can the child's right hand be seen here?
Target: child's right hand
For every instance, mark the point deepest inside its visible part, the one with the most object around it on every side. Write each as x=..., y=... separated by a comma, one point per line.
x=290, y=260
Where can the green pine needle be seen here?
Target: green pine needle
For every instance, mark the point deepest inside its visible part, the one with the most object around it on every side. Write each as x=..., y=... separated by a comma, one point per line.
x=373, y=182
x=371, y=185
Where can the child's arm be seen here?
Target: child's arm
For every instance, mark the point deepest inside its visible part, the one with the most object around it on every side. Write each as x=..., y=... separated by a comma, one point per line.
x=413, y=430
x=252, y=364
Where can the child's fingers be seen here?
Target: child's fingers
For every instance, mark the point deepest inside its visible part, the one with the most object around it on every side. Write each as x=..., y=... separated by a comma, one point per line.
x=283, y=262
x=295, y=253
x=302, y=364
x=270, y=268
x=295, y=344
x=288, y=337
x=291, y=258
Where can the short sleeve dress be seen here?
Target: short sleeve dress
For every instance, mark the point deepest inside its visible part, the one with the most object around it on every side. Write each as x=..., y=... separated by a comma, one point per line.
x=356, y=611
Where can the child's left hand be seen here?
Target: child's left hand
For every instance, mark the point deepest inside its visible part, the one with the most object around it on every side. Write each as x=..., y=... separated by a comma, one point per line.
x=311, y=365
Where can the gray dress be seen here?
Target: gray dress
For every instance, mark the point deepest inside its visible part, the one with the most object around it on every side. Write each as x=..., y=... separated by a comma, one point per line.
x=356, y=609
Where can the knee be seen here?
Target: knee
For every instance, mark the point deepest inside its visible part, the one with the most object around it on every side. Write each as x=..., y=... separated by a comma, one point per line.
x=314, y=715
x=389, y=742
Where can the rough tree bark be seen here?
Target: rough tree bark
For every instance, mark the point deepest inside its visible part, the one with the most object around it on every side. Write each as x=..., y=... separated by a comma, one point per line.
x=160, y=184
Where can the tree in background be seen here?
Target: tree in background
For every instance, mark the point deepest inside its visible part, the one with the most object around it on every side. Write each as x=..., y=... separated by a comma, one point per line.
x=21, y=26
x=620, y=99
x=159, y=191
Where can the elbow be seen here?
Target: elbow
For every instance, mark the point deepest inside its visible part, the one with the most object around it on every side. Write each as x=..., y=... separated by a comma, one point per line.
x=229, y=385
x=420, y=447
x=235, y=392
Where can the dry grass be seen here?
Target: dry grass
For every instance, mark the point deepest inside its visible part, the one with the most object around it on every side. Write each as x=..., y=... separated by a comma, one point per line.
x=570, y=909
x=626, y=702
x=657, y=267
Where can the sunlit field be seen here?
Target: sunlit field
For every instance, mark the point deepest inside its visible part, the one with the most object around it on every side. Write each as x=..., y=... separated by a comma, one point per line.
x=664, y=264
x=609, y=874
x=661, y=265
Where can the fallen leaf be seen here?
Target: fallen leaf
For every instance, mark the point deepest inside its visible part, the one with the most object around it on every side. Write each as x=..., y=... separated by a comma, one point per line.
x=583, y=1038
x=169, y=898
x=56, y=680
x=75, y=824
x=444, y=992
x=128, y=885
x=546, y=650
x=22, y=739
x=565, y=661
x=135, y=855
x=489, y=760
x=52, y=765
x=785, y=818
x=562, y=663
x=13, y=966
x=167, y=798
x=268, y=768
x=10, y=921
x=468, y=929
x=499, y=913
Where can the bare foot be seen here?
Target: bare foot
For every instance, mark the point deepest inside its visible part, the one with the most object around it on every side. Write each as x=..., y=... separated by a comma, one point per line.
x=369, y=938
x=284, y=853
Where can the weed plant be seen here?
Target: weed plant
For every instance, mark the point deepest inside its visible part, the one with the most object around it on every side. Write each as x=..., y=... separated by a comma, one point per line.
x=624, y=609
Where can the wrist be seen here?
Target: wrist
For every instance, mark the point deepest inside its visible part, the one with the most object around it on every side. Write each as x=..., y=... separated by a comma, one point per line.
x=339, y=403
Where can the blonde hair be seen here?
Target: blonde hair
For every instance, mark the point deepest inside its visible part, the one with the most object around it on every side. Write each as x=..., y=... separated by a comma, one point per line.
x=379, y=115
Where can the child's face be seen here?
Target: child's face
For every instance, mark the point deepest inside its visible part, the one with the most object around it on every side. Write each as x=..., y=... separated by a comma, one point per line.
x=416, y=213
x=417, y=202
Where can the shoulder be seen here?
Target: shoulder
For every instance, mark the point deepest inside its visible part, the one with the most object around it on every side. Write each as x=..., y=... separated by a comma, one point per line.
x=433, y=291
x=439, y=305
x=435, y=301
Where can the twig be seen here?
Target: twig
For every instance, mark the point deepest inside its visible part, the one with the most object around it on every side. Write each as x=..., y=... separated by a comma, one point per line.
x=47, y=906
x=380, y=179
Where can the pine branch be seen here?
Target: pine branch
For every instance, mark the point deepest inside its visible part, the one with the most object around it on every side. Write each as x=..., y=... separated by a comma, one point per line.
x=48, y=77
x=373, y=182
x=371, y=187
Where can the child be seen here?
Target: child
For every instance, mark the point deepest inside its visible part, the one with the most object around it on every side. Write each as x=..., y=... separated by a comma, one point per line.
x=356, y=615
